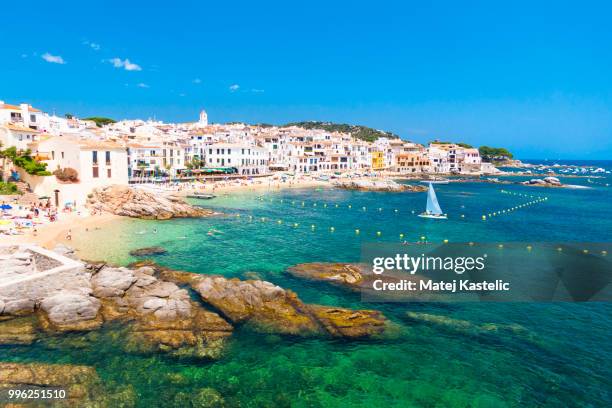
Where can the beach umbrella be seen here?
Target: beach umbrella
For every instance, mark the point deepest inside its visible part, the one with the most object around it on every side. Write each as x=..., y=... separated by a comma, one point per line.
x=6, y=207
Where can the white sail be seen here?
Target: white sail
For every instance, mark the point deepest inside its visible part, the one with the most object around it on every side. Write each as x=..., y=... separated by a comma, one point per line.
x=433, y=207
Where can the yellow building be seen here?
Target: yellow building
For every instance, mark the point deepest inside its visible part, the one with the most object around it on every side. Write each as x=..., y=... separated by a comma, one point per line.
x=378, y=160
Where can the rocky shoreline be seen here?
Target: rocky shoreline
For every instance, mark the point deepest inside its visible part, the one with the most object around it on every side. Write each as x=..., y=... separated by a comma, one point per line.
x=156, y=310
x=384, y=185
x=152, y=310
x=136, y=203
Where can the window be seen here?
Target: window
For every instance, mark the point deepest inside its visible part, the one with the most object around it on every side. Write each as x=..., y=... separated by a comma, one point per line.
x=209, y=151
x=108, y=173
x=32, y=118
x=108, y=162
x=53, y=154
x=95, y=172
x=62, y=155
x=229, y=151
x=94, y=159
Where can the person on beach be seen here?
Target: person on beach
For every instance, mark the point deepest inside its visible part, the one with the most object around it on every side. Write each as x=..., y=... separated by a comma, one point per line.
x=69, y=235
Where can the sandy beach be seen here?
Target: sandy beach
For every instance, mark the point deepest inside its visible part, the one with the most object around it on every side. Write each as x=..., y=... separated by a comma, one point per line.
x=53, y=233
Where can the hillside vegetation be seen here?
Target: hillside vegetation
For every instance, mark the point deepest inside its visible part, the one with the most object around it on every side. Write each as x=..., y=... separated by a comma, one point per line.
x=360, y=132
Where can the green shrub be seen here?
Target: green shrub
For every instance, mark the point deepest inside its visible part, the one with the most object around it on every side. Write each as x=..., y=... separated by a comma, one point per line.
x=8, y=188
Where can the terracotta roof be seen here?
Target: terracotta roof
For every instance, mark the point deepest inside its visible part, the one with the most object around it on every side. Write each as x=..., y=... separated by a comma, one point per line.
x=99, y=144
x=20, y=128
x=11, y=107
x=15, y=107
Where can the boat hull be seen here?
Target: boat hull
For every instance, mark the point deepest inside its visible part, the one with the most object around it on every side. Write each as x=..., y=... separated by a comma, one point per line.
x=433, y=216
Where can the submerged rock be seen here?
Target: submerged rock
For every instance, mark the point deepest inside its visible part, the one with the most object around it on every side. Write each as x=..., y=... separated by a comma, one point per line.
x=18, y=330
x=270, y=308
x=469, y=328
x=149, y=251
x=137, y=203
x=82, y=385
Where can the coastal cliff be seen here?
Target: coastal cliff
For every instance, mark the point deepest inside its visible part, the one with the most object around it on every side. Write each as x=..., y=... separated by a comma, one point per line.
x=136, y=203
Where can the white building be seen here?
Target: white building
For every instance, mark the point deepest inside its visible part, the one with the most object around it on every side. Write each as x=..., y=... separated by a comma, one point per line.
x=17, y=135
x=97, y=163
x=246, y=159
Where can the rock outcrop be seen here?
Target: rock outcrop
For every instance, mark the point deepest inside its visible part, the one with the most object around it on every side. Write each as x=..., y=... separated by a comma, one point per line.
x=545, y=182
x=349, y=276
x=163, y=316
x=377, y=185
x=340, y=274
x=270, y=308
x=137, y=203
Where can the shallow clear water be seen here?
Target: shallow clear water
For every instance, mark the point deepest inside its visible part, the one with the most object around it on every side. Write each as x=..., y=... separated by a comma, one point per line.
x=564, y=360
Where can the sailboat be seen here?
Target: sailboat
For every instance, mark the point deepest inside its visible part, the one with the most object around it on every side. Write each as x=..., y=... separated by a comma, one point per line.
x=433, y=209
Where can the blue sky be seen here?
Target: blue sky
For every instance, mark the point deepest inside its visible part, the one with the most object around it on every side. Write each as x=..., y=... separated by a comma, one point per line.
x=536, y=78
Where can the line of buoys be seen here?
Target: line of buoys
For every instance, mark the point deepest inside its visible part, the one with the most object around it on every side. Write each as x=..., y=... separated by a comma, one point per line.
x=517, y=207
x=326, y=205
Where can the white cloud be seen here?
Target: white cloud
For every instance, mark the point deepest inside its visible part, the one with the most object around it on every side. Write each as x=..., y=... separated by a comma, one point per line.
x=142, y=85
x=125, y=64
x=197, y=81
x=234, y=87
x=94, y=46
x=54, y=59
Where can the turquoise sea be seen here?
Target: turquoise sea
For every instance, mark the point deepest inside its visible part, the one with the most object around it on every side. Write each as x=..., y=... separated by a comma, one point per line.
x=565, y=360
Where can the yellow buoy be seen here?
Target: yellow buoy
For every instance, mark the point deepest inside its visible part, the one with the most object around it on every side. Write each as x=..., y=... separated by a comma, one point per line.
x=363, y=208
x=263, y=219
x=314, y=205
x=529, y=247
x=604, y=253
x=446, y=241
x=238, y=215
x=422, y=237
x=357, y=231
x=585, y=251
x=350, y=206
x=501, y=245
x=295, y=224
x=336, y=205
x=559, y=249
x=401, y=236
x=280, y=221
x=462, y=215
x=471, y=243
x=378, y=233
x=332, y=229
x=484, y=217
x=302, y=203
x=324, y=205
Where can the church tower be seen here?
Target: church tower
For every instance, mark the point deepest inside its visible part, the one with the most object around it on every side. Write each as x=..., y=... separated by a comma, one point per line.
x=203, y=118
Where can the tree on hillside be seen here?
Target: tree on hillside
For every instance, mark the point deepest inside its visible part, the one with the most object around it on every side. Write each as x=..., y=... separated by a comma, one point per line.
x=494, y=153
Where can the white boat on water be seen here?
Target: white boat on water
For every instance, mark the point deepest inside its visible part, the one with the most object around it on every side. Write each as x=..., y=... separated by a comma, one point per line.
x=433, y=210
x=435, y=180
